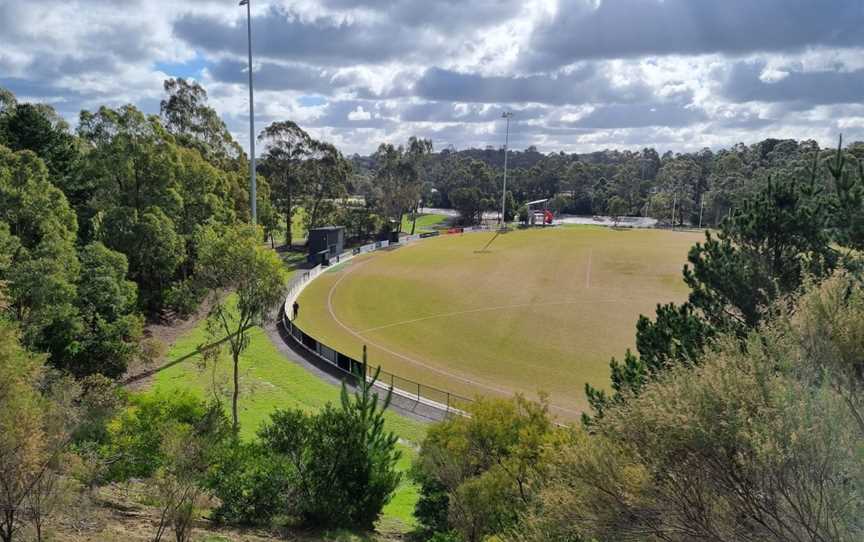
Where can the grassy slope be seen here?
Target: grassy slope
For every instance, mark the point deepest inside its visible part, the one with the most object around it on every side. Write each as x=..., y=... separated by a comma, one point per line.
x=569, y=326
x=425, y=222
x=269, y=381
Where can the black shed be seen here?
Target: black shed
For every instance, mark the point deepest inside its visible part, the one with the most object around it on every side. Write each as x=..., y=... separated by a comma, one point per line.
x=325, y=243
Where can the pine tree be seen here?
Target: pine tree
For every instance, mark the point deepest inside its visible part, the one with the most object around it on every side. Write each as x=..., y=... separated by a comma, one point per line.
x=381, y=453
x=764, y=252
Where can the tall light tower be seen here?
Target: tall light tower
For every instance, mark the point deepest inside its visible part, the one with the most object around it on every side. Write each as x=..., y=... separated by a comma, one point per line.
x=507, y=115
x=252, y=185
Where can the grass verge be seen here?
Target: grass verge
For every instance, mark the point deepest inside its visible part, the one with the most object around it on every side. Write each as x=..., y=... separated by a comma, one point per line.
x=425, y=222
x=269, y=381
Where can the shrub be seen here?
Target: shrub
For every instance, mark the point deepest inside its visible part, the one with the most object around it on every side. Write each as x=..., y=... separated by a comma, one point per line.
x=477, y=474
x=178, y=484
x=432, y=505
x=135, y=437
x=185, y=296
x=250, y=482
x=333, y=469
x=745, y=445
x=342, y=479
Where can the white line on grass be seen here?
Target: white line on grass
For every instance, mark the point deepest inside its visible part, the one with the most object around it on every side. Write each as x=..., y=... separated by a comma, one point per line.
x=505, y=391
x=483, y=309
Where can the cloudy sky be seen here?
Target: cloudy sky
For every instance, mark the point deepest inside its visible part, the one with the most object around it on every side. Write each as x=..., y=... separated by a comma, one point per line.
x=580, y=75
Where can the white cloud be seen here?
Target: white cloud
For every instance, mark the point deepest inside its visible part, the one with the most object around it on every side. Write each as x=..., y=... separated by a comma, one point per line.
x=386, y=70
x=359, y=114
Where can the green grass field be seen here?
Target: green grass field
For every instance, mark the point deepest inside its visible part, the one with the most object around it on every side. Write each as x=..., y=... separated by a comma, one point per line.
x=269, y=381
x=540, y=310
x=425, y=222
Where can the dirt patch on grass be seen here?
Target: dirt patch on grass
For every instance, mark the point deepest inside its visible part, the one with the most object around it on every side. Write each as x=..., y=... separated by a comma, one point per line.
x=125, y=513
x=162, y=334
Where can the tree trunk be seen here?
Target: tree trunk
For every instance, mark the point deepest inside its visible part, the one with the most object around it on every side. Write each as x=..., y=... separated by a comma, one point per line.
x=414, y=224
x=7, y=526
x=289, y=219
x=236, y=394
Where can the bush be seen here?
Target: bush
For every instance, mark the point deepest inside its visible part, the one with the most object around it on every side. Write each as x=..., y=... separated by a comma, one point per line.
x=343, y=478
x=333, y=469
x=185, y=296
x=432, y=506
x=135, y=437
x=251, y=483
x=445, y=537
x=178, y=484
x=477, y=474
x=739, y=446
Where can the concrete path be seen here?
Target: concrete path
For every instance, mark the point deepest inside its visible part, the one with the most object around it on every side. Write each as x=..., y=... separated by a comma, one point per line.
x=401, y=405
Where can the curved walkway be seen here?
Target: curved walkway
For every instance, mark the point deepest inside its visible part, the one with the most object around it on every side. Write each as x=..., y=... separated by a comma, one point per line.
x=408, y=407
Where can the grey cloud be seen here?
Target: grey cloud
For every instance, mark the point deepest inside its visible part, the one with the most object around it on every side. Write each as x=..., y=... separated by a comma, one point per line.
x=37, y=89
x=743, y=84
x=446, y=112
x=447, y=16
x=280, y=34
x=336, y=115
x=584, y=29
x=271, y=76
x=583, y=86
x=640, y=116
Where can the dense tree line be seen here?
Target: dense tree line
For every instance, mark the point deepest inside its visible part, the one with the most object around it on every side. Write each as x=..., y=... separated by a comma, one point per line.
x=132, y=217
x=105, y=225
x=703, y=186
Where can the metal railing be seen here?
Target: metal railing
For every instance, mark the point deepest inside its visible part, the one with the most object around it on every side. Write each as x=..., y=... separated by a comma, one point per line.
x=443, y=400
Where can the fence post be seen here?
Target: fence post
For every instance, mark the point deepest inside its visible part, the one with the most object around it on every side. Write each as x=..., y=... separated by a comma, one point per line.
x=418, y=392
x=448, y=402
x=365, y=366
x=391, y=381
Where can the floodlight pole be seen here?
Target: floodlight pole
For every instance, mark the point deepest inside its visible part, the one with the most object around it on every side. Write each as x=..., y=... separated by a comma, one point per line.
x=701, y=208
x=506, y=115
x=674, y=201
x=252, y=184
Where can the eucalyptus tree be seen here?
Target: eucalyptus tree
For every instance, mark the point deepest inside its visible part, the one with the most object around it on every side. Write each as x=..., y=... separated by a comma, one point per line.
x=286, y=146
x=325, y=174
x=232, y=259
x=399, y=177
x=186, y=115
x=72, y=302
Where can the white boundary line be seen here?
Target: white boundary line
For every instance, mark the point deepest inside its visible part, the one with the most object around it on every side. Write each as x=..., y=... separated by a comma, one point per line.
x=473, y=311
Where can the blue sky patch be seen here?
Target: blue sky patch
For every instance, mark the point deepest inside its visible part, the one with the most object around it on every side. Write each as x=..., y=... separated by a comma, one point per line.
x=311, y=101
x=191, y=68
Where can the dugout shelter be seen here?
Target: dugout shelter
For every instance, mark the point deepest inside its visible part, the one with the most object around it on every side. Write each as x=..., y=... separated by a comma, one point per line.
x=325, y=243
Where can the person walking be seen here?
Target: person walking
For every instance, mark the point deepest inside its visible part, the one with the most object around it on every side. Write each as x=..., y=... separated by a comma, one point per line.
x=296, y=309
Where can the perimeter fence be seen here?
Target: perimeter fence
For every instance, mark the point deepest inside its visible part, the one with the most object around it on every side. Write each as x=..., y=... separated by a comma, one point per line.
x=445, y=401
